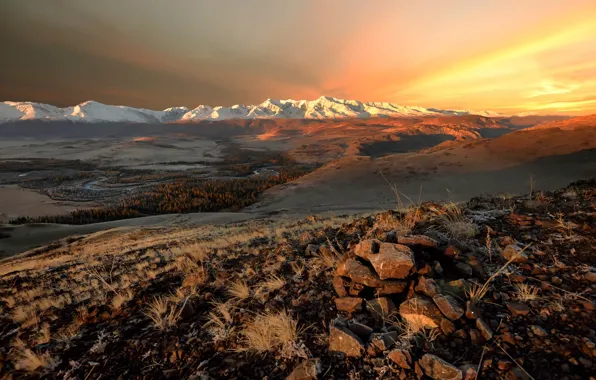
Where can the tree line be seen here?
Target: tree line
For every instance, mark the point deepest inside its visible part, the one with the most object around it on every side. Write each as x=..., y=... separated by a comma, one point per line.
x=180, y=196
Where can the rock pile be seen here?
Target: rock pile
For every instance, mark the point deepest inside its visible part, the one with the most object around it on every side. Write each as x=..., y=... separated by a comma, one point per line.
x=414, y=281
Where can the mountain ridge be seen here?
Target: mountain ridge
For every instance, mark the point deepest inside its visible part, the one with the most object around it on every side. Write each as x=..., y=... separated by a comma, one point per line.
x=322, y=108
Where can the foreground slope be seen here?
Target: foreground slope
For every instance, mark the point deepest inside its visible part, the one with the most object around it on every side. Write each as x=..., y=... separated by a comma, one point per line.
x=260, y=299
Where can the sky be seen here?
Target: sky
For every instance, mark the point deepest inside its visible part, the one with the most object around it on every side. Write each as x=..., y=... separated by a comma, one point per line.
x=508, y=56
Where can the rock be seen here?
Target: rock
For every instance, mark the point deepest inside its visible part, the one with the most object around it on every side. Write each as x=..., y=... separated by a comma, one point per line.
x=427, y=286
x=389, y=287
x=469, y=372
x=380, y=307
x=590, y=276
x=516, y=374
x=418, y=370
x=484, y=329
x=507, y=337
x=457, y=288
x=448, y=306
x=360, y=329
x=472, y=311
x=437, y=368
x=505, y=241
x=355, y=289
x=306, y=370
x=438, y=269
x=517, y=309
x=504, y=365
x=358, y=272
x=349, y=304
x=453, y=252
x=401, y=357
x=340, y=284
x=476, y=338
x=588, y=305
x=418, y=240
x=446, y=326
x=394, y=261
x=538, y=331
x=478, y=270
x=421, y=311
x=556, y=281
x=367, y=248
x=463, y=269
x=380, y=342
x=343, y=340
x=311, y=250
x=514, y=253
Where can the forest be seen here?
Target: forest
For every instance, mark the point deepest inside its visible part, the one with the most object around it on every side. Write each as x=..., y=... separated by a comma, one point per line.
x=179, y=196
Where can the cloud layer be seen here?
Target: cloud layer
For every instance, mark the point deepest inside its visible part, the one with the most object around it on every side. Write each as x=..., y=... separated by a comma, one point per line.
x=536, y=56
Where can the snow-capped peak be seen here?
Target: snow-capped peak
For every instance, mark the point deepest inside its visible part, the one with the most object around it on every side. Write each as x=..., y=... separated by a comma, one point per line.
x=324, y=107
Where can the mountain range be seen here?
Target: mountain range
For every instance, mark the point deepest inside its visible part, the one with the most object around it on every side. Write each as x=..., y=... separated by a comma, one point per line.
x=321, y=108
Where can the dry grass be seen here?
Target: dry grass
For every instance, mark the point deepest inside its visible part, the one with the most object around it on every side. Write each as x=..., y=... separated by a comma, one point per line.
x=30, y=361
x=163, y=313
x=239, y=290
x=269, y=331
x=220, y=321
x=525, y=292
x=477, y=291
x=454, y=222
x=273, y=283
x=120, y=299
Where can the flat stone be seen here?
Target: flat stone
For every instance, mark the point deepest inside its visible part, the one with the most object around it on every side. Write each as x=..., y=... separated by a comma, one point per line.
x=517, y=309
x=476, y=338
x=449, y=306
x=363, y=331
x=394, y=261
x=355, y=289
x=457, y=288
x=453, y=252
x=590, y=276
x=427, y=286
x=358, y=272
x=349, y=304
x=380, y=308
x=463, y=269
x=389, y=287
x=437, y=269
x=469, y=372
x=401, y=357
x=446, y=326
x=477, y=266
x=421, y=311
x=306, y=370
x=472, y=311
x=367, y=247
x=538, y=331
x=418, y=240
x=484, y=329
x=343, y=340
x=380, y=342
x=340, y=284
x=514, y=253
x=438, y=369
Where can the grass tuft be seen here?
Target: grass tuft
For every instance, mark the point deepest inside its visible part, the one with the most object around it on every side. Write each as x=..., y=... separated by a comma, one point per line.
x=269, y=331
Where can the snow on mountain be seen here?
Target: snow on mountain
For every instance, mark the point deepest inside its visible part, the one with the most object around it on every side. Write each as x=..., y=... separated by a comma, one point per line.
x=321, y=108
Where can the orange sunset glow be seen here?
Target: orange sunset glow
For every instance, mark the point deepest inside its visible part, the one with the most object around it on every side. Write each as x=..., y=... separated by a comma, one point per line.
x=505, y=56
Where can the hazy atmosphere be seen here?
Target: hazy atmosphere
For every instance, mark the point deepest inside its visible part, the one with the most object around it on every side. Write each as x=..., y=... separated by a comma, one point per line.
x=529, y=56
x=298, y=189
